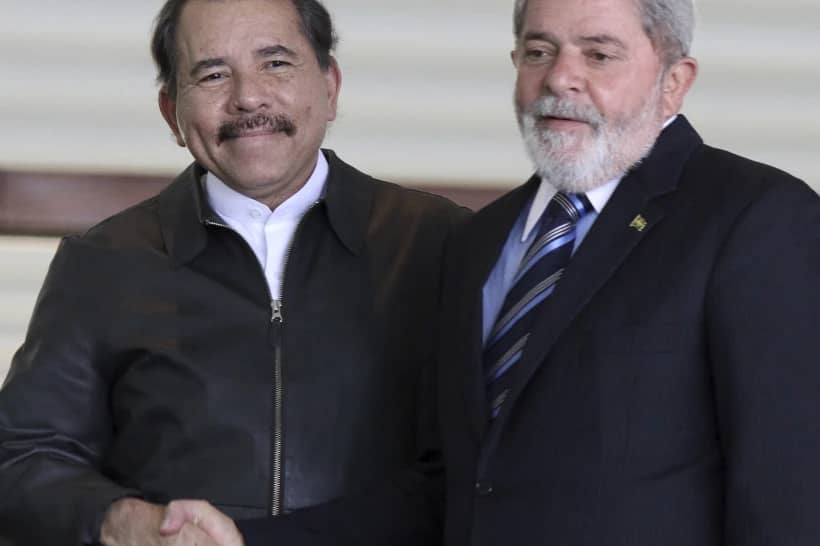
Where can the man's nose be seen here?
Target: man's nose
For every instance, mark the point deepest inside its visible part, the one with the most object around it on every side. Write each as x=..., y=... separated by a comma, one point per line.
x=249, y=93
x=565, y=75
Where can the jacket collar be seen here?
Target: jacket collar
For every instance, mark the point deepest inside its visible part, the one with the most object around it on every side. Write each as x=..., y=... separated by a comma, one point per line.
x=349, y=195
x=184, y=210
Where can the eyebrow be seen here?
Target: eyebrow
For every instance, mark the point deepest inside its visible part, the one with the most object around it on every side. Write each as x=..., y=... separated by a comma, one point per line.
x=262, y=53
x=271, y=51
x=601, y=39
x=204, y=64
x=540, y=35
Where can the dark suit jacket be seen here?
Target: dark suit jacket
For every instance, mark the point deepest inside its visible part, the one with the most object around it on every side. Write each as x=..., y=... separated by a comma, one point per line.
x=669, y=394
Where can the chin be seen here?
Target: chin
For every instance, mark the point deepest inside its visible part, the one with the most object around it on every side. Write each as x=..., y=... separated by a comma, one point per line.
x=563, y=148
x=244, y=180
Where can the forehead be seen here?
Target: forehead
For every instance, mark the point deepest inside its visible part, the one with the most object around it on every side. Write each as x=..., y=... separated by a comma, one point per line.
x=614, y=17
x=220, y=27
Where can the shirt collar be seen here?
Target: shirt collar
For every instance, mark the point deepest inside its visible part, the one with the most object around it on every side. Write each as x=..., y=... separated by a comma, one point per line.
x=598, y=197
x=229, y=203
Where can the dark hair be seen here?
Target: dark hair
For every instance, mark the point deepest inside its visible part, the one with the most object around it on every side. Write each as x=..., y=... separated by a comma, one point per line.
x=316, y=26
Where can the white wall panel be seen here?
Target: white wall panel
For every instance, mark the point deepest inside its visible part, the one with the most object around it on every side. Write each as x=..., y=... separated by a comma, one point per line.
x=426, y=96
x=24, y=263
x=426, y=92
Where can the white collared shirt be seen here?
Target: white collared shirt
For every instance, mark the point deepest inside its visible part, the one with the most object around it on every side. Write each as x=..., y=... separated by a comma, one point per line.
x=268, y=233
x=597, y=197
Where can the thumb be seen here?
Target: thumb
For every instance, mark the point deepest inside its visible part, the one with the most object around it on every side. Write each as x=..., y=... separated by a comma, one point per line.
x=217, y=525
x=177, y=514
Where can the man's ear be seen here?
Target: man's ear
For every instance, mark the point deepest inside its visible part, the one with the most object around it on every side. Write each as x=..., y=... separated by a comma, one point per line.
x=333, y=79
x=676, y=84
x=168, y=107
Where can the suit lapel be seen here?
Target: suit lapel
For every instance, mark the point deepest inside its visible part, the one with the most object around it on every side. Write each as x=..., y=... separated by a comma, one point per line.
x=631, y=214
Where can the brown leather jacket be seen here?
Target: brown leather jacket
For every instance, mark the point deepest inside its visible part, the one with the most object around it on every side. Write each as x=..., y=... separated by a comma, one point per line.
x=157, y=365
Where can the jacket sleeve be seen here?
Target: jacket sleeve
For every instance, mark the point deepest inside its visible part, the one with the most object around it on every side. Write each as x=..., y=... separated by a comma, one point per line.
x=55, y=422
x=763, y=316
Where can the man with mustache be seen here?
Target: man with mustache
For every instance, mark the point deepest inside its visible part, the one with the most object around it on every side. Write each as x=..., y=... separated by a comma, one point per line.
x=630, y=350
x=254, y=335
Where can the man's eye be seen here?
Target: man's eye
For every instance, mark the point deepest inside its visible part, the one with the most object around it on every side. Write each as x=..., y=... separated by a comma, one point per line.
x=214, y=77
x=600, y=57
x=277, y=64
x=536, y=56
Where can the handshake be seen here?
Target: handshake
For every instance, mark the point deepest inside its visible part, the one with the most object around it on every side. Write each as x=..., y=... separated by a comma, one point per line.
x=131, y=522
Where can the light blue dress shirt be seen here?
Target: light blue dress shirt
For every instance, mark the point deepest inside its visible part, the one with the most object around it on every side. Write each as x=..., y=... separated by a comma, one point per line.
x=501, y=277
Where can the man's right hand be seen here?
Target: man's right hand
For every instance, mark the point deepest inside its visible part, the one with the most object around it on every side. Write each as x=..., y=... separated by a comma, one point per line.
x=219, y=527
x=134, y=522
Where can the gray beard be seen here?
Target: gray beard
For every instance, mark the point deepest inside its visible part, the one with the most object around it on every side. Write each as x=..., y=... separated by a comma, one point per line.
x=614, y=147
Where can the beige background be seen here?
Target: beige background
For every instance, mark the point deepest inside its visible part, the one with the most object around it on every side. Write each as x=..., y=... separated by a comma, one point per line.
x=426, y=97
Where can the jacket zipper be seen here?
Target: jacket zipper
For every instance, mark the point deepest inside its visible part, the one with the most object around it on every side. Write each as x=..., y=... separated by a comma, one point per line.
x=277, y=322
x=276, y=434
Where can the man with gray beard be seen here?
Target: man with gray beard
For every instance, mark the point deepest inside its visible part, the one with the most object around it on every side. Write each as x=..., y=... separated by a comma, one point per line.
x=633, y=355
x=630, y=353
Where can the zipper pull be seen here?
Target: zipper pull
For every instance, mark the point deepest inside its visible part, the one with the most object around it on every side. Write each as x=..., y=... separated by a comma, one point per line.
x=276, y=311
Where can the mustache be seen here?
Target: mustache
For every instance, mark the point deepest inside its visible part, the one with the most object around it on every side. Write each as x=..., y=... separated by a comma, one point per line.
x=563, y=108
x=279, y=123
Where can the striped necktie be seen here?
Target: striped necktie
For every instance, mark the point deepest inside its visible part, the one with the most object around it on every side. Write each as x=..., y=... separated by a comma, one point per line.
x=536, y=278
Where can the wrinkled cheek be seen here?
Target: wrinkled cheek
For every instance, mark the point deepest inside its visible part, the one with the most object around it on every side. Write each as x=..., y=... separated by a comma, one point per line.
x=204, y=150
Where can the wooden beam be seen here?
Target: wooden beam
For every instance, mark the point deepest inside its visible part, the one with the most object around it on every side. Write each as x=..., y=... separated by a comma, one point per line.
x=43, y=203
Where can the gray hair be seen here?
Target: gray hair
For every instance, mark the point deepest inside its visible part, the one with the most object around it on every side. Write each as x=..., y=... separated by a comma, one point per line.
x=669, y=24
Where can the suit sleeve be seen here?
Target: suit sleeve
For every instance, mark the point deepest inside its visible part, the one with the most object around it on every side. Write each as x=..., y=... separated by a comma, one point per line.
x=763, y=311
x=55, y=422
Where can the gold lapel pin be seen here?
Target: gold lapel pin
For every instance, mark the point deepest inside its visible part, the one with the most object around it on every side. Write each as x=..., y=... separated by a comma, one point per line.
x=639, y=223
